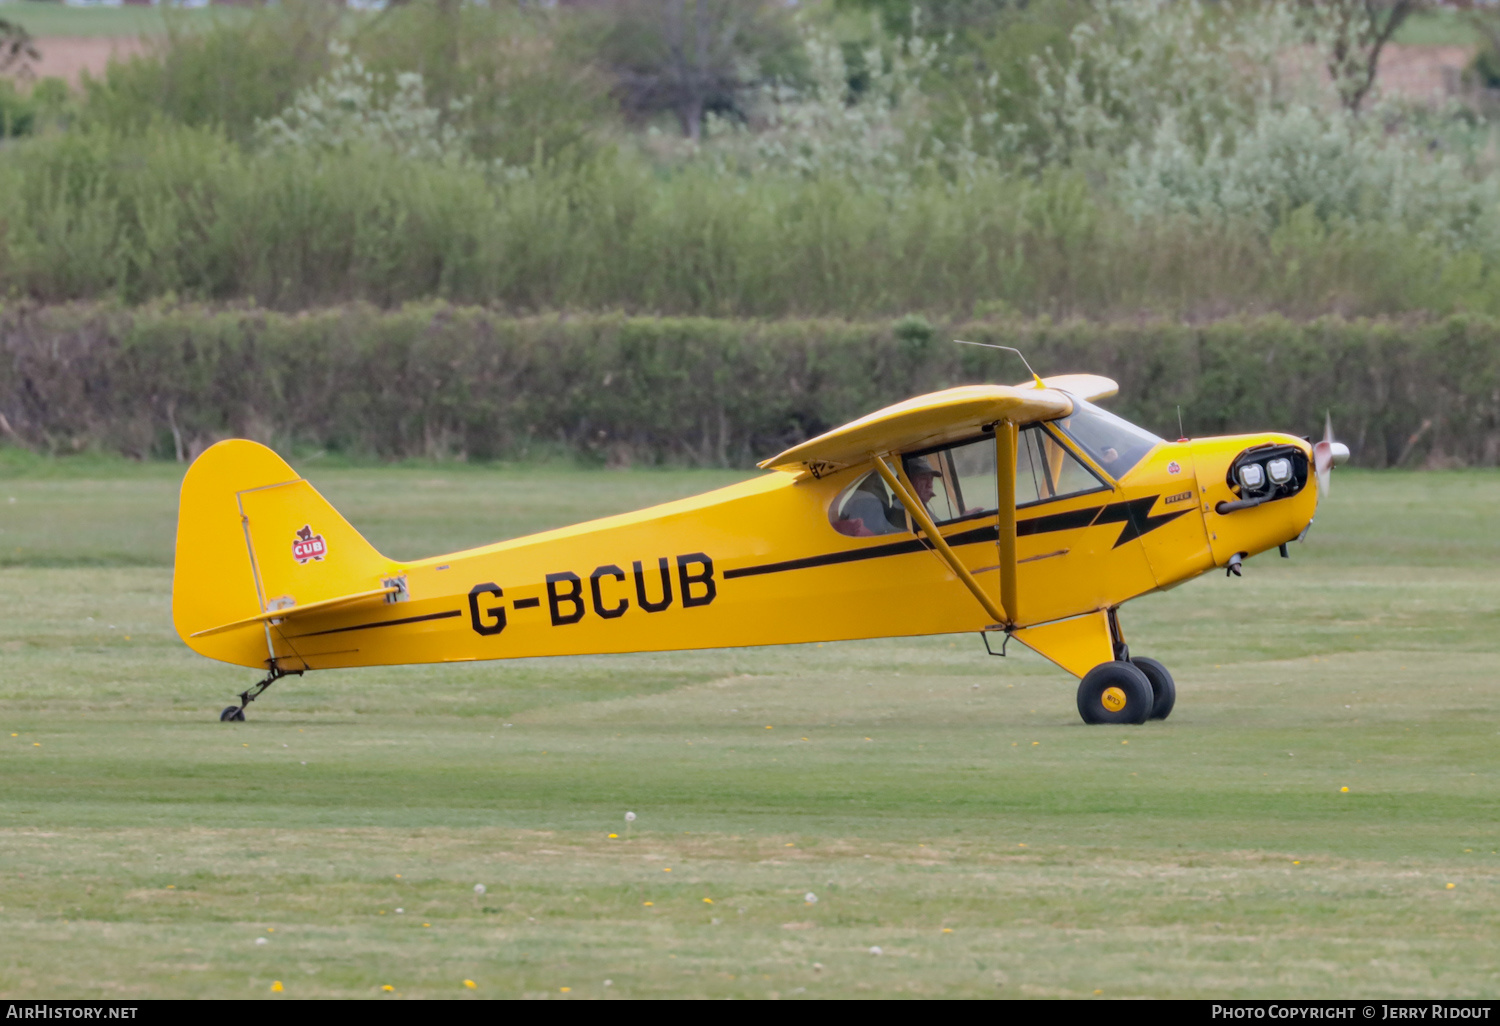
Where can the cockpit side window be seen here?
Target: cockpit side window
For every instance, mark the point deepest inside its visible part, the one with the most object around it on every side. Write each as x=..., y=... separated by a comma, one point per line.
x=867, y=508
x=957, y=482
x=1046, y=470
x=1115, y=444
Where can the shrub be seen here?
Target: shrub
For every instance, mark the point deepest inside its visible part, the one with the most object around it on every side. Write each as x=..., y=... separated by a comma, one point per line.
x=448, y=381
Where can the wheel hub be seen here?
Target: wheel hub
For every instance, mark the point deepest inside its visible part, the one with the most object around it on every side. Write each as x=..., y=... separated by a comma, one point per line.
x=1113, y=699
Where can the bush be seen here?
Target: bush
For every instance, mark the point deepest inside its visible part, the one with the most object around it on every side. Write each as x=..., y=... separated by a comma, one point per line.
x=246, y=66
x=171, y=211
x=444, y=381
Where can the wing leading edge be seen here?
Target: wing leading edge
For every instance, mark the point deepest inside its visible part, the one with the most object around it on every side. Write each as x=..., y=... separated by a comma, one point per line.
x=946, y=416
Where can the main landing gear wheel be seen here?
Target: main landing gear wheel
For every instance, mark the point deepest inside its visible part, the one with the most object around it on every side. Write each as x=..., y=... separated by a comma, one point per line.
x=1163, y=688
x=1114, y=693
x=234, y=714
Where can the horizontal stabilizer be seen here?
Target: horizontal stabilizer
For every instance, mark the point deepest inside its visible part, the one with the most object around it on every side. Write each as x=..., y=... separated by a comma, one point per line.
x=293, y=611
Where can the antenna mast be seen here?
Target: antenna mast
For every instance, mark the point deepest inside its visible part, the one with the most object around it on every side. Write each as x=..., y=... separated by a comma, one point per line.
x=1008, y=349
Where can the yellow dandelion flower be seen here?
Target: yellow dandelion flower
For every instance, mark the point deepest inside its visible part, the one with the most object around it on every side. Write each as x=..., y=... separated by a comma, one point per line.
x=770, y=728
x=36, y=744
x=470, y=984
x=1343, y=790
x=1451, y=886
x=565, y=990
x=789, y=844
x=666, y=869
x=387, y=987
x=613, y=836
x=171, y=887
x=708, y=901
x=276, y=987
x=947, y=929
x=426, y=924
x=648, y=904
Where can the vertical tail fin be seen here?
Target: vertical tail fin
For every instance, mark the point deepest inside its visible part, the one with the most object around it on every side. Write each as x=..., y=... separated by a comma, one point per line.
x=253, y=536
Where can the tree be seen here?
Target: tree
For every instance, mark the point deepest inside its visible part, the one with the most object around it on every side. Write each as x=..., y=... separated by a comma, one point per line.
x=16, y=46
x=692, y=56
x=1351, y=35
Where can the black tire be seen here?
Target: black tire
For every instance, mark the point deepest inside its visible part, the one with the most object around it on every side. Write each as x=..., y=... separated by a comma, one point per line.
x=1114, y=693
x=1163, y=687
x=233, y=714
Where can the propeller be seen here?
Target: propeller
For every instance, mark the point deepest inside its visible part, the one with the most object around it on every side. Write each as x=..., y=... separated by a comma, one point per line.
x=1327, y=454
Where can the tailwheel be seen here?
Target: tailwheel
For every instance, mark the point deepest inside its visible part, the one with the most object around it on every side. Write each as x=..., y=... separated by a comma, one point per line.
x=1163, y=688
x=1115, y=692
x=236, y=713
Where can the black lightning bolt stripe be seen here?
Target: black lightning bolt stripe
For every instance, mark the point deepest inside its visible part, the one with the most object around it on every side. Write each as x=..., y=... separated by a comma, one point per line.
x=383, y=623
x=1068, y=521
x=978, y=534
x=1134, y=514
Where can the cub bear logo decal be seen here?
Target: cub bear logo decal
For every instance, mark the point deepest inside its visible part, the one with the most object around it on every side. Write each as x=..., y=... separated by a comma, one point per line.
x=309, y=546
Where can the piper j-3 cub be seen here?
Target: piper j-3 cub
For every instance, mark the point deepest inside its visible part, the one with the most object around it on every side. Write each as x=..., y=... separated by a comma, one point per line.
x=989, y=508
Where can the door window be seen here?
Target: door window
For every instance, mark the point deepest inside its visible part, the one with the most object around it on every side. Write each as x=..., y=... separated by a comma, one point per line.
x=956, y=483
x=1046, y=470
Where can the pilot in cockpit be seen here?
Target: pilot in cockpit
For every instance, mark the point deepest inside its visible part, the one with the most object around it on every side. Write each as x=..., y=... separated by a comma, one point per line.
x=870, y=509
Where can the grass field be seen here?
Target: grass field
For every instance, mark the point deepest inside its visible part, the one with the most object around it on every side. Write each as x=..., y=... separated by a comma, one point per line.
x=945, y=807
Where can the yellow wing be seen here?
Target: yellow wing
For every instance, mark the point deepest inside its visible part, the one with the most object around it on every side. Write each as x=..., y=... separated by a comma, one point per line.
x=1088, y=387
x=932, y=419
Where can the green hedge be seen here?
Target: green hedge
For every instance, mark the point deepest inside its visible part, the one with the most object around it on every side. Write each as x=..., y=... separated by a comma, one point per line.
x=446, y=381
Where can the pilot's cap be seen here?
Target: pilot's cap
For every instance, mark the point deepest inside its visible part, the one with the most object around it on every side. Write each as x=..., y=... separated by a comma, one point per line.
x=920, y=467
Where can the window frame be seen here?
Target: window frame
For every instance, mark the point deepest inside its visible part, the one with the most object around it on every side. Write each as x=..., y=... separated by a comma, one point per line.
x=1059, y=437
x=1104, y=483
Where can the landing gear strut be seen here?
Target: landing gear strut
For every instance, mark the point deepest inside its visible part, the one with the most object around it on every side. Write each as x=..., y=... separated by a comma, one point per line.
x=236, y=713
x=1131, y=689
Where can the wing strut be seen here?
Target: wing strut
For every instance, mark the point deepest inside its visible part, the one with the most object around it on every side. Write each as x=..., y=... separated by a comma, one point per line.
x=1005, y=480
x=924, y=520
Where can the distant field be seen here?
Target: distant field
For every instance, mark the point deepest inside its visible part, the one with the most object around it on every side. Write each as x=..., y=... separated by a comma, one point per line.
x=1439, y=28
x=943, y=806
x=56, y=19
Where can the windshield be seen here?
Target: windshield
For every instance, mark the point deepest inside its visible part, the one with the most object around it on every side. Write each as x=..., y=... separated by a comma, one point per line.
x=1115, y=444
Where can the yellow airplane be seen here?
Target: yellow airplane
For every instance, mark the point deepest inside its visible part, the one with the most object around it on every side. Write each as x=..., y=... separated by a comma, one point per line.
x=1020, y=509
